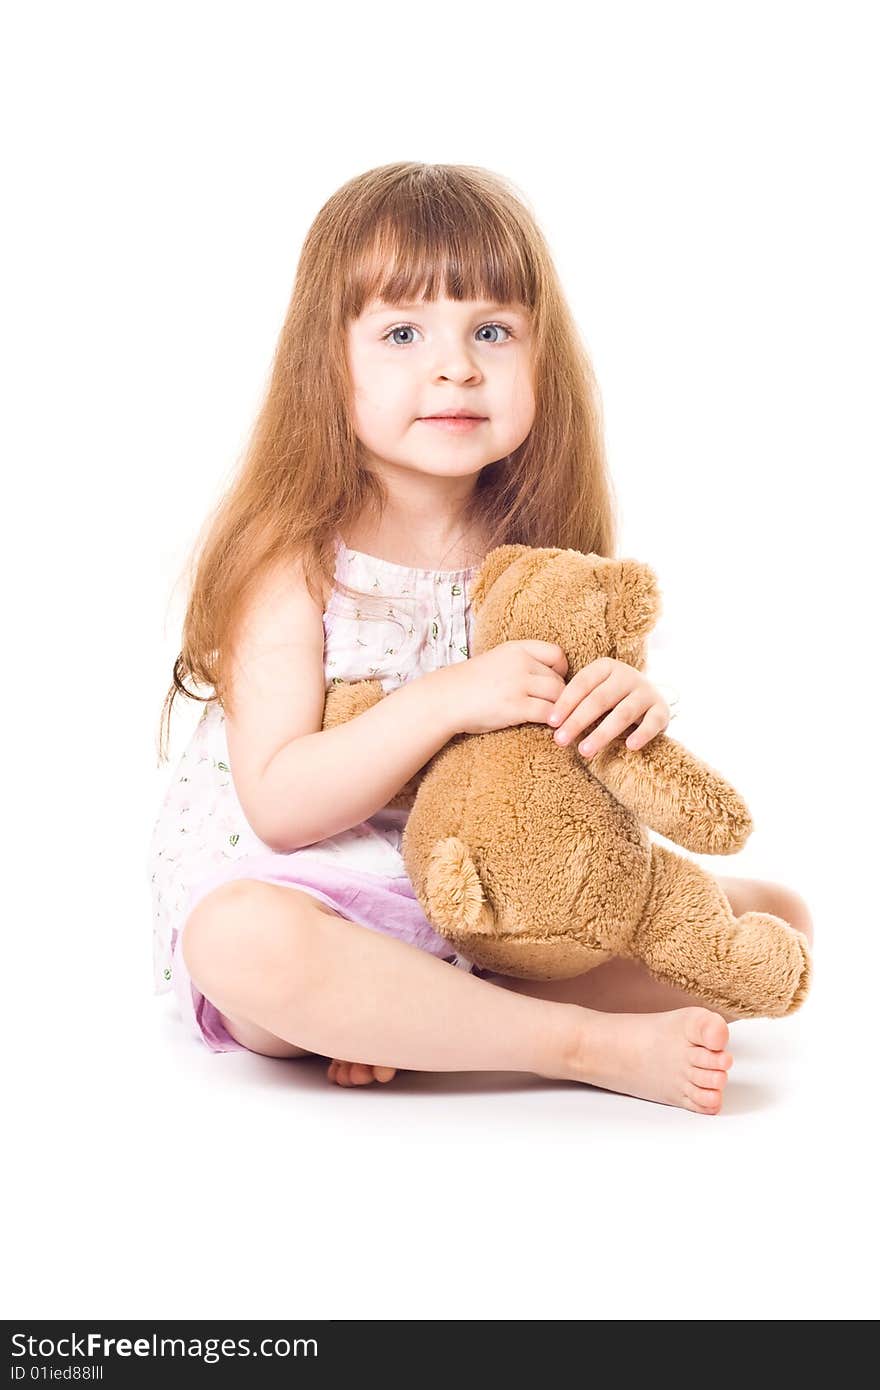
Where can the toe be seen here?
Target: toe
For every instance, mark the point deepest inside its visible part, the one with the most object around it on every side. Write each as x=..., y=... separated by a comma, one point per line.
x=361, y=1073
x=713, y=1080
x=709, y=1102
x=709, y=1029
x=702, y=1057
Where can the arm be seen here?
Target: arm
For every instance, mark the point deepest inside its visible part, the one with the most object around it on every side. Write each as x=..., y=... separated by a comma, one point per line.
x=674, y=792
x=321, y=783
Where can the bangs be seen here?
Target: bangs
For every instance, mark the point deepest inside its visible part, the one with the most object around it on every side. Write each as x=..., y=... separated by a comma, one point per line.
x=428, y=249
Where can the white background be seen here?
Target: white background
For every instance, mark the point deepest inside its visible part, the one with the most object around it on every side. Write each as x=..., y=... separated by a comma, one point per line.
x=706, y=178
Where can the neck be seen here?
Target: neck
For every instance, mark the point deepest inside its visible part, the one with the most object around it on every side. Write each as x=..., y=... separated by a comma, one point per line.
x=422, y=526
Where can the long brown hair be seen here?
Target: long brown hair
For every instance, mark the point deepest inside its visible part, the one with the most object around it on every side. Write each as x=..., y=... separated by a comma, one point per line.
x=398, y=232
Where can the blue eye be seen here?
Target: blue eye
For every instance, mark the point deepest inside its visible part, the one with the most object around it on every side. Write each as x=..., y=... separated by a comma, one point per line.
x=408, y=327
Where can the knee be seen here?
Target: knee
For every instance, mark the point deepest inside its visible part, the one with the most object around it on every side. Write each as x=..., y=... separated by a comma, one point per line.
x=241, y=941
x=792, y=908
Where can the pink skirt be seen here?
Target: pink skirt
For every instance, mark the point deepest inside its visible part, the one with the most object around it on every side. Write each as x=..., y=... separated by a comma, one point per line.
x=387, y=905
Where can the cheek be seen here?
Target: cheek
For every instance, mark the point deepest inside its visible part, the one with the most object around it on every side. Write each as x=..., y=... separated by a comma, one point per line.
x=371, y=388
x=370, y=380
x=521, y=411
x=382, y=407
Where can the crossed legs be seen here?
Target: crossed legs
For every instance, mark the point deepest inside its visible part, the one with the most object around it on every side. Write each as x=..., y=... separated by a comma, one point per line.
x=291, y=977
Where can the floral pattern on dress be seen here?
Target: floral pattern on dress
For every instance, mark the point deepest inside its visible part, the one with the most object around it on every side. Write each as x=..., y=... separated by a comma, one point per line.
x=200, y=823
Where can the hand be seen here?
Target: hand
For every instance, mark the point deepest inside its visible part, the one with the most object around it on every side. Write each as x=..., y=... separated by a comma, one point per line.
x=358, y=1073
x=609, y=685
x=513, y=683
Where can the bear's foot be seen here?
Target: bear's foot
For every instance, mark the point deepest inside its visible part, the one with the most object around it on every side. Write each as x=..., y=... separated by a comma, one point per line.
x=754, y=966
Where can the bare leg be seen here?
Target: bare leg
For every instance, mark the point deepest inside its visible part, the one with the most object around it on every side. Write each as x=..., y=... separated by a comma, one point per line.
x=625, y=986
x=273, y=956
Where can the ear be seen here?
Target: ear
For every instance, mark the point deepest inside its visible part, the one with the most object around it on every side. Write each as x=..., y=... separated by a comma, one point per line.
x=634, y=603
x=494, y=565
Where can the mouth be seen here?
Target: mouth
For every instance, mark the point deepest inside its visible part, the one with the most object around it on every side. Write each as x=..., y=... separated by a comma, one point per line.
x=454, y=412
x=454, y=423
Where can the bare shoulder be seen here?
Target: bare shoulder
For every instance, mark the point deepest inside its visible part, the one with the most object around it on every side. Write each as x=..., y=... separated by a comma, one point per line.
x=282, y=594
x=276, y=678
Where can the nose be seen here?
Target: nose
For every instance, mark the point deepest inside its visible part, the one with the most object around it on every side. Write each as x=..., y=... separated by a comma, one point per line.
x=459, y=370
x=454, y=363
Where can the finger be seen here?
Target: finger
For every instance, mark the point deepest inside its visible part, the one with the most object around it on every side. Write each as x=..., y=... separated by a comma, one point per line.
x=361, y=1073
x=582, y=683
x=595, y=679
x=654, y=722
x=385, y=1073
x=620, y=718
x=544, y=685
x=550, y=653
x=610, y=695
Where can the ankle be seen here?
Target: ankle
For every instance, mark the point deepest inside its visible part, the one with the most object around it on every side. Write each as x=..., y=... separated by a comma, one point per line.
x=566, y=1043
x=593, y=1043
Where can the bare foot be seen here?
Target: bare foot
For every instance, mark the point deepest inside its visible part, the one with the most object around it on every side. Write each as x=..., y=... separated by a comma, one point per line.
x=358, y=1073
x=676, y=1057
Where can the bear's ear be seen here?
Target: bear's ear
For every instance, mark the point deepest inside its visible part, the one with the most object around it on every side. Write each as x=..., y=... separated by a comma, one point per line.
x=634, y=602
x=494, y=565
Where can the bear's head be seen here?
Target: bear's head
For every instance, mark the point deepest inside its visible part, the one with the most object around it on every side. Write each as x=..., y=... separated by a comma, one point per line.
x=591, y=606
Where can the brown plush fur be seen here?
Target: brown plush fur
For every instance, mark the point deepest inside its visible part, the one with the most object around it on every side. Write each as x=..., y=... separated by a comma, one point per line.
x=536, y=863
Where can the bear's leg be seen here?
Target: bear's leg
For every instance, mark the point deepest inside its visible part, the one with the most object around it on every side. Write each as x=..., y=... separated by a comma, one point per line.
x=622, y=986
x=752, y=966
x=760, y=895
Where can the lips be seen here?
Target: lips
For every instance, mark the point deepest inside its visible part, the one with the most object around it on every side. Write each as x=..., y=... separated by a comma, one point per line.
x=453, y=424
x=453, y=415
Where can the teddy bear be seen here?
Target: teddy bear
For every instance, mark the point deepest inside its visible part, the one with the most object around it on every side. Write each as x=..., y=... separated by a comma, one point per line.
x=534, y=862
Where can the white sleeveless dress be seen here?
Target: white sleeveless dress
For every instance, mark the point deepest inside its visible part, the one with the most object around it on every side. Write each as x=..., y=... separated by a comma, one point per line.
x=201, y=837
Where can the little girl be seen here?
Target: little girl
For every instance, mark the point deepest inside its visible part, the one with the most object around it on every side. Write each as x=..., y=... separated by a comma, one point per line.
x=429, y=399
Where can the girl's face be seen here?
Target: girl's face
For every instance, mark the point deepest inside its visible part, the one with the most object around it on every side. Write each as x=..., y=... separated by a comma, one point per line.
x=409, y=362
